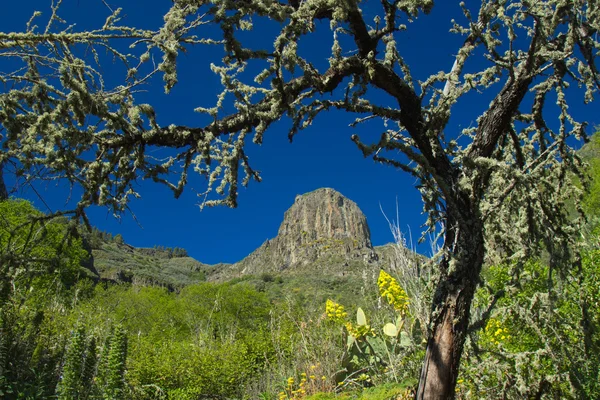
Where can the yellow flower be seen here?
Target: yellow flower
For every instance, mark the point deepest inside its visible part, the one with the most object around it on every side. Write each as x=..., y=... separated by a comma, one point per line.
x=390, y=290
x=335, y=311
x=495, y=332
x=358, y=331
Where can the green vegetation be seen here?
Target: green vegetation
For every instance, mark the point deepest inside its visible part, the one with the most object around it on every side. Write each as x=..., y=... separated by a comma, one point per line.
x=41, y=274
x=117, y=261
x=496, y=183
x=36, y=252
x=541, y=338
x=591, y=152
x=535, y=331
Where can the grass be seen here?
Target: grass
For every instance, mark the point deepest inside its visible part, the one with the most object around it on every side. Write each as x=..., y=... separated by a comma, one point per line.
x=387, y=391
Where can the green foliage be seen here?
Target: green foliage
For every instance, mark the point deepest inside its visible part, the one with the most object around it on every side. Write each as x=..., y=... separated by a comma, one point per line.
x=208, y=339
x=387, y=391
x=36, y=252
x=542, y=338
x=71, y=383
x=83, y=376
x=201, y=367
x=118, y=239
x=40, y=260
x=591, y=153
x=89, y=369
x=114, y=385
x=3, y=355
x=375, y=356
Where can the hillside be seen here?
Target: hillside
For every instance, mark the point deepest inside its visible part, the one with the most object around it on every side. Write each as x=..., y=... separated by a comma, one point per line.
x=324, y=238
x=145, y=266
x=111, y=259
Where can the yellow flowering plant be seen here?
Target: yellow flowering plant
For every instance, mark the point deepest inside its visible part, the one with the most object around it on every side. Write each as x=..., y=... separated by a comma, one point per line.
x=390, y=290
x=307, y=384
x=495, y=332
x=363, y=346
x=335, y=311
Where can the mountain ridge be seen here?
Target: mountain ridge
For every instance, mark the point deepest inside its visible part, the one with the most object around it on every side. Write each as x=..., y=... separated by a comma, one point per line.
x=323, y=233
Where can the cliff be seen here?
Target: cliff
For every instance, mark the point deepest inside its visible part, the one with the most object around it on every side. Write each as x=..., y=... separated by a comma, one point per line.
x=322, y=230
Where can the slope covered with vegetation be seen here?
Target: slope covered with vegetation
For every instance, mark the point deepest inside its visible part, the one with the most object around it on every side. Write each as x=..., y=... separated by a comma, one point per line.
x=535, y=330
x=113, y=259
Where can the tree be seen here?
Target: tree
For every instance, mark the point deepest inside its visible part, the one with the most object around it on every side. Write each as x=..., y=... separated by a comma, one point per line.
x=3, y=191
x=591, y=153
x=118, y=239
x=498, y=187
x=36, y=251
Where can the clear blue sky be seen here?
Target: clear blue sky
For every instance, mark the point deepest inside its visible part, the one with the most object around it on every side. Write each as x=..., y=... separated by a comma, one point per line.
x=321, y=156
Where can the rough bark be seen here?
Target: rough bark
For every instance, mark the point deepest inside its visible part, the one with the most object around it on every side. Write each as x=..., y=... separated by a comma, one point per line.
x=3, y=191
x=460, y=269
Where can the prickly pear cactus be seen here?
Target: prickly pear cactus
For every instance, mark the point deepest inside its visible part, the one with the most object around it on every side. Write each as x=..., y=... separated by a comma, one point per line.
x=367, y=351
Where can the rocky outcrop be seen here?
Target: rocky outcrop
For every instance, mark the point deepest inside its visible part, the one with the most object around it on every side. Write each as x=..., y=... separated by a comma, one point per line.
x=322, y=235
x=322, y=228
x=324, y=213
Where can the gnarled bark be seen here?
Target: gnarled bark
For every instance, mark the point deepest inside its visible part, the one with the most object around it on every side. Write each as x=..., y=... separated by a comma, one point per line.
x=460, y=269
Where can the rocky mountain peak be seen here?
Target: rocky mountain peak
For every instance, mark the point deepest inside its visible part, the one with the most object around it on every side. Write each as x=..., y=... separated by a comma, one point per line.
x=325, y=215
x=320, y=225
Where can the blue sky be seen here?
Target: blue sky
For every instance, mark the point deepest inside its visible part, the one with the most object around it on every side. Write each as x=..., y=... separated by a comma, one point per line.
x=321, y=156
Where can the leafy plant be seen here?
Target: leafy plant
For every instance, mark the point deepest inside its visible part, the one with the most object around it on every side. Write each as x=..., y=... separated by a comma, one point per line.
x=541, y=338
x=71, y=384
x=36, y=252
x=114, y=386
x=369, y=355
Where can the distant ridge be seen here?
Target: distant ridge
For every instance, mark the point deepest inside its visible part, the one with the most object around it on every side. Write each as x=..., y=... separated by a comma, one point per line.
x=323, y=234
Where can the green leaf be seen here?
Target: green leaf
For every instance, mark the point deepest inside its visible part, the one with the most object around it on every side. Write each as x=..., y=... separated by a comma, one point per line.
x=350, y=341
x=400, y=323
x=390, y=330
x=361, y=319
x=405, y=340
x=377, y=346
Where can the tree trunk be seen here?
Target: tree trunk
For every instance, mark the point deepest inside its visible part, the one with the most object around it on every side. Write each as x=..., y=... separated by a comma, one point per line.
x=3, y=191
x=460, y=268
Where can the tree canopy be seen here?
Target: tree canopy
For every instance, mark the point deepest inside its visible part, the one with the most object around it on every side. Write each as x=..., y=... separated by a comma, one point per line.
x=497, y=187
x=35, y=251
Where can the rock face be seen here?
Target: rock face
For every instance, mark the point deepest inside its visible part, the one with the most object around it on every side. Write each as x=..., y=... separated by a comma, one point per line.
x=321, y=225
x=322, y=219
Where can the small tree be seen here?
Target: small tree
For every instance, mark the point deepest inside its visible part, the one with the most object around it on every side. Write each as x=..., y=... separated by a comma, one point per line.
x=498, y=185
x=35, y=250
x=118, y=239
